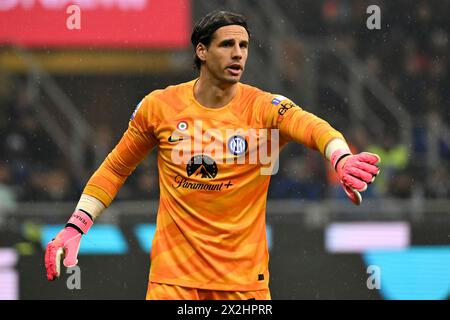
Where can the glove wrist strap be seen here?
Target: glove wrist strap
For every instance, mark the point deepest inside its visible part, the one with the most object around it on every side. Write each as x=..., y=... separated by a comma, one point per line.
x=337, y=156
x=80, y=220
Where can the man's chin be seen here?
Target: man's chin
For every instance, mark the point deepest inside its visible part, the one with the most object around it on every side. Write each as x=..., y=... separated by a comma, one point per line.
x=232, y=80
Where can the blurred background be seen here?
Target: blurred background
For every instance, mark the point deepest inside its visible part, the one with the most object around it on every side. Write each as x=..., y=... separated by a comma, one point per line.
x=67, y=93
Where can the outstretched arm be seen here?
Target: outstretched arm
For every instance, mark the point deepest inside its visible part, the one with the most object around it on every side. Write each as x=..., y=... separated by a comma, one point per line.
x=296, y=124
x=355, y=172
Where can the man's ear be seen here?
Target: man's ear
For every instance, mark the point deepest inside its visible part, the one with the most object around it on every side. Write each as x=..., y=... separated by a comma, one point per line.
x=201, y=51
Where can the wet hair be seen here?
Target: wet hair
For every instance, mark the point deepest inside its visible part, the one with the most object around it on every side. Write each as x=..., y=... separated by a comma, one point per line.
x=204, y=29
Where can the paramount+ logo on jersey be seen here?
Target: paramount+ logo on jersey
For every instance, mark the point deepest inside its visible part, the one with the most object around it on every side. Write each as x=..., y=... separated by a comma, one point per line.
x=202, y=167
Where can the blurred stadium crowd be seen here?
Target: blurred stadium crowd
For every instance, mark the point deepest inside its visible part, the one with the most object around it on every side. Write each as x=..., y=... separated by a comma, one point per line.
x=415, y=71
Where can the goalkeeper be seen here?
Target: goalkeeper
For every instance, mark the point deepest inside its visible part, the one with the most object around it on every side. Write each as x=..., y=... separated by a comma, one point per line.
x=210, y=240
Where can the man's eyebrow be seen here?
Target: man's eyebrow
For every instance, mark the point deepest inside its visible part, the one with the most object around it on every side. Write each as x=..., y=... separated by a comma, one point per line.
x=228, y=41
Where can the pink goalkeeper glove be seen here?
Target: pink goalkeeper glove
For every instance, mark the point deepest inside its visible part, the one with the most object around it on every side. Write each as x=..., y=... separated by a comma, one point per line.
x=355, y=171
x=66, y=243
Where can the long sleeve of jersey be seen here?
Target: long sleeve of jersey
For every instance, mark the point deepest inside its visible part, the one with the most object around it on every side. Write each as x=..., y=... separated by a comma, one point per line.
x=134, y=145
x=294, y=123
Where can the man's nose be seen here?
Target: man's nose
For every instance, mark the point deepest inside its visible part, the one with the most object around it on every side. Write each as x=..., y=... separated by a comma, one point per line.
x=237, y=52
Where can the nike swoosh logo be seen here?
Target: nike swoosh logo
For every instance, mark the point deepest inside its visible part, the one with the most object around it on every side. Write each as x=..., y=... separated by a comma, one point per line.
x=175, y=140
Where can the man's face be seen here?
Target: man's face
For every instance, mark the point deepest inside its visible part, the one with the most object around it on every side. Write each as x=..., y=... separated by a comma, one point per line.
x=226, y=55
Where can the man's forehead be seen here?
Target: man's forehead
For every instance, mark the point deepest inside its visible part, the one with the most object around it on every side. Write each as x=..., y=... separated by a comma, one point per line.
x=231, y=32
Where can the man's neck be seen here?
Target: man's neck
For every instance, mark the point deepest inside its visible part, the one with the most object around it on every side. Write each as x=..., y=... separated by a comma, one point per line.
x=212, y=95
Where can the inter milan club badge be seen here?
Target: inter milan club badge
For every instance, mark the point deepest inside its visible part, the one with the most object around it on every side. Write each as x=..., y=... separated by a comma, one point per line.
x=182, y=125
x=237, y=145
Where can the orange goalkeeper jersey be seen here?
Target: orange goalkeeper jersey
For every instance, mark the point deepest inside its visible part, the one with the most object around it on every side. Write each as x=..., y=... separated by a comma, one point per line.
x=214, y=172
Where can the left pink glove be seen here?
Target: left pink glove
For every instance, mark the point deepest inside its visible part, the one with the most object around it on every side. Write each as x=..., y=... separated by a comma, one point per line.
x=67, y=244
x=355, y=171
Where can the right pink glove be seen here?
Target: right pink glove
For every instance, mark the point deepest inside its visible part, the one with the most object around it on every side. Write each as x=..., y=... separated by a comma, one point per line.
x=355, y=171
x=67, y=244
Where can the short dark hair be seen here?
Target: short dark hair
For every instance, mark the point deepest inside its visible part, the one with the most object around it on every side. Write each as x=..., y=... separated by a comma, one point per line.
x=206, y=26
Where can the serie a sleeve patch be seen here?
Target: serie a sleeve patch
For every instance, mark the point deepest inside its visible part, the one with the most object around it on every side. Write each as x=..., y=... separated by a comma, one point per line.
x=277, y=99
x=136, y=109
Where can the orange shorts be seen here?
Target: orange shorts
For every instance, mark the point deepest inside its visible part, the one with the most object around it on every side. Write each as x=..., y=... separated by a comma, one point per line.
x=161, y=291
